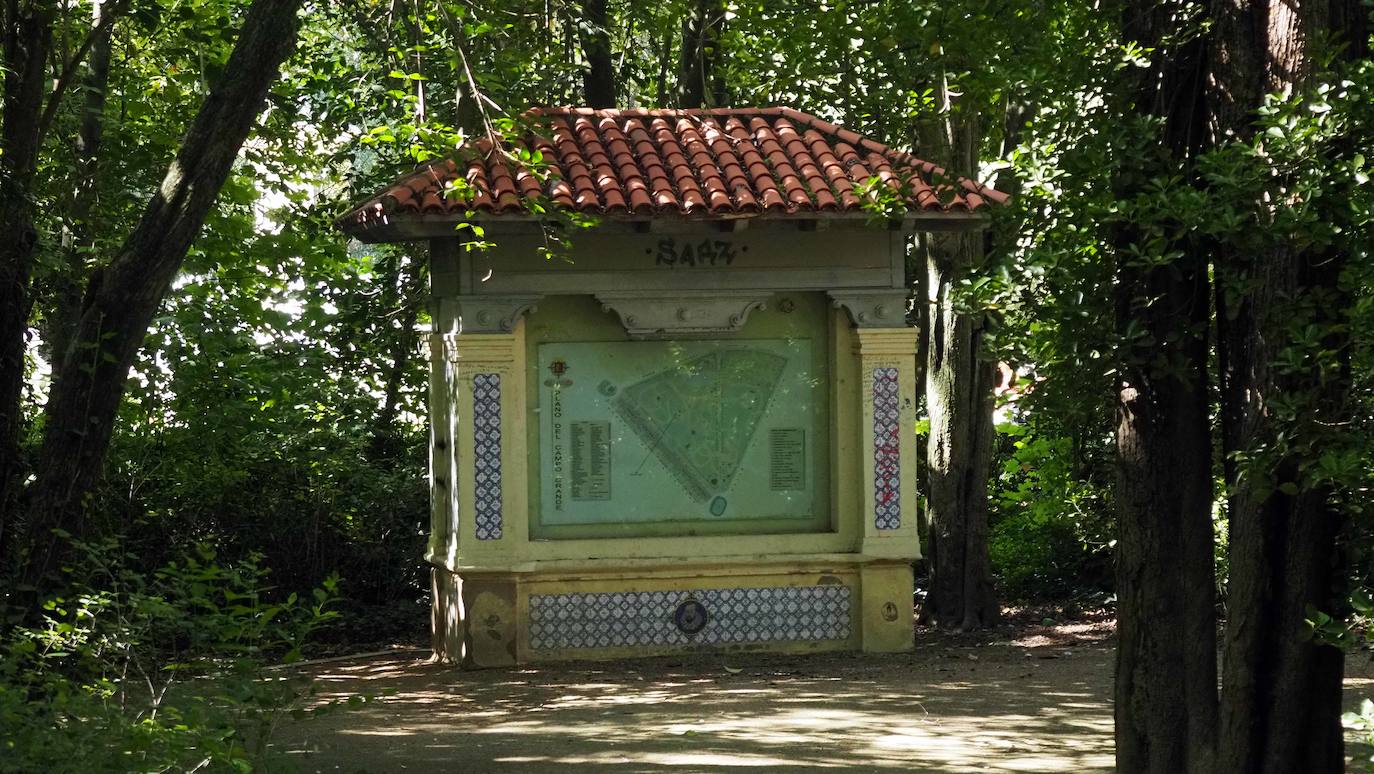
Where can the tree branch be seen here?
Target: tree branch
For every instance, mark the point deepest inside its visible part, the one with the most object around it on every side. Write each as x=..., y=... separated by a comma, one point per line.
x=68, y=74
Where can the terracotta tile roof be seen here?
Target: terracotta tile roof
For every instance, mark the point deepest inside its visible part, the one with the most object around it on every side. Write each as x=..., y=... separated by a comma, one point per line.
x=689, y=163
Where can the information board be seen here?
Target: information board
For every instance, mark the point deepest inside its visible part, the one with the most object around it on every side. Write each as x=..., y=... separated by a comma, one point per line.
x=647, y=431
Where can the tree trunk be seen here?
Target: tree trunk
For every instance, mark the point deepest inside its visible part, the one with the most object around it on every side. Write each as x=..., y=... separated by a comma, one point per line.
x=598, y=80
x=1281, y=698
x=1166, y=690
x=700, y=82
x=27, y=40
x=1281, y=690
x=1166, y=703
x=66, y=304
x=959, y=399
x=121, y=300
x=411, y=297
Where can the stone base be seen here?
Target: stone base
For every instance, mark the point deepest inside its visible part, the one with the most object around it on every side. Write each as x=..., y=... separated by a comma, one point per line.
x=492, y=618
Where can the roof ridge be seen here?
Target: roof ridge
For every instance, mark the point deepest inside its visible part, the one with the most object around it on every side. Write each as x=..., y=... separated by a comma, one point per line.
x=570, y=110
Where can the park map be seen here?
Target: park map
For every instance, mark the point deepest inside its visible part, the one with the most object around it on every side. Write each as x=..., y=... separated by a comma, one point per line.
x=676, y=431
x=699, y=418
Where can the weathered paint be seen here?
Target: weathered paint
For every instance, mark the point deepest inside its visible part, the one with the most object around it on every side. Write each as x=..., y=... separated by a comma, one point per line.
x=846, y=286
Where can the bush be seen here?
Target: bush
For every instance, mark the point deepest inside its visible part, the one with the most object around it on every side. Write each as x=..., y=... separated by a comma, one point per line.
x=168, y=671
x=1050, y=525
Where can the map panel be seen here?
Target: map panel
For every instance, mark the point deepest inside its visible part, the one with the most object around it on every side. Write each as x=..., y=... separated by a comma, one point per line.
x=699, y=417
x=677, y=431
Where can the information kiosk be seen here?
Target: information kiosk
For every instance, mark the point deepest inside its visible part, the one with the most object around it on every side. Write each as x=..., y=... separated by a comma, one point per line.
x=693, y=428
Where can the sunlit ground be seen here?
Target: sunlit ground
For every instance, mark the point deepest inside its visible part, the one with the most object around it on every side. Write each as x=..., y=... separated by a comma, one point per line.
x=1037, y=703
x=1015, y=706
x=1359, y=685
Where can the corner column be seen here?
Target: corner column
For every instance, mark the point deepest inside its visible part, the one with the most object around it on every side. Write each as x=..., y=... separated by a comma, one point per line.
x=447, y=616
x=479, y=514
x=887, y=367
x=489, y=449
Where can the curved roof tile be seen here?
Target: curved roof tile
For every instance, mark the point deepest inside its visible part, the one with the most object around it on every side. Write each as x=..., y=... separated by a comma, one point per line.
x=696, y=163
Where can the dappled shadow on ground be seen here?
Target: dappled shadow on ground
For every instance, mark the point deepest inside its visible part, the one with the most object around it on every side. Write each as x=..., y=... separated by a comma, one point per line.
x=949, y=707
x=1030, y=698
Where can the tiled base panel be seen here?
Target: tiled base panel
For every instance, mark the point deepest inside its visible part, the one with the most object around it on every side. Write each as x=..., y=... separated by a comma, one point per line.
x=709, y=616
x=509, y=618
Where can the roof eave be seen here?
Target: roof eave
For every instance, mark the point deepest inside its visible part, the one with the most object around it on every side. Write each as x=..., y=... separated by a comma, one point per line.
x=409, y=228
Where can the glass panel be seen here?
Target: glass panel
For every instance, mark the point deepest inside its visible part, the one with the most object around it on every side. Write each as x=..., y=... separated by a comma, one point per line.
x=683, y=437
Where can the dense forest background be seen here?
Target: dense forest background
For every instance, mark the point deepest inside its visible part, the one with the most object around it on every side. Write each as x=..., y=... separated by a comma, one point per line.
x=212, y=438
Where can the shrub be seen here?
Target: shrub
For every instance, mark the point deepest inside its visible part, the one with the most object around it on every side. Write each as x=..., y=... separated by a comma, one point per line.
x=1050, y=524
x=167, y=671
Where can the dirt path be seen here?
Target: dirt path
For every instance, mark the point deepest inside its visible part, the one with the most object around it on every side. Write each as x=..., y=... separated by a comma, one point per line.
x=1034, y=700
x=1040, y=702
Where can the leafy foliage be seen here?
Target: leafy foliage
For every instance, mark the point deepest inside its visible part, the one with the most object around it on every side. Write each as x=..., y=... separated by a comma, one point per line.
x=157, y=672
x=1051, y=526
x=275, y=418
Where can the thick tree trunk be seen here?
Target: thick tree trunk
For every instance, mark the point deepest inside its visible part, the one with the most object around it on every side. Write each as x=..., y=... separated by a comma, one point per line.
x=121, y=300
x=598, y=80
x=1166, y=690
x=959, y=399
x=1281, y=694
x=27, y=39
x=1166, y=703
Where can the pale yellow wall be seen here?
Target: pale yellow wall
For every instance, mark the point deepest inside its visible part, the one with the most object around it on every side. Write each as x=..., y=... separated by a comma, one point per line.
x=494, y=578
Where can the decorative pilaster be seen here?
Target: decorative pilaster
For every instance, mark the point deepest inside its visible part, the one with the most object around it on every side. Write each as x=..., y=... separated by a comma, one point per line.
x=887, y=365
x=887, y=457
x=486, y=454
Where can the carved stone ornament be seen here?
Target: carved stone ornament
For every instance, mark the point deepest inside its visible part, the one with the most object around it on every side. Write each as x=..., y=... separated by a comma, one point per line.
x=873, y=308
x=684, y=313
x=493, y=314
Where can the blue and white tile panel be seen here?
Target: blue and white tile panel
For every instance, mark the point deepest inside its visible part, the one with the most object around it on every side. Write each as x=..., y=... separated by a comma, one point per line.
x=734, y=615
x=486, y=455
x=887, y=456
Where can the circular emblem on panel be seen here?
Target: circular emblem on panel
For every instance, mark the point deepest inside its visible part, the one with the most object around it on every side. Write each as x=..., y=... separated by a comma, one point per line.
x=889, y=611
x=690, y=616
x=559, y=368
